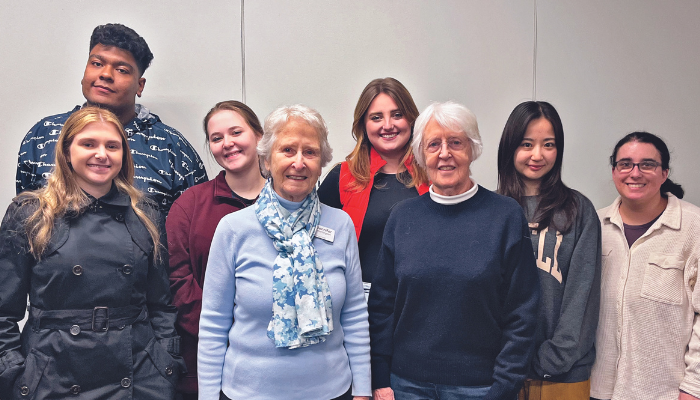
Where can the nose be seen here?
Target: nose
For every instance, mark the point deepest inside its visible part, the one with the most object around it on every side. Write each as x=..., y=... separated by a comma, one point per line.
x=298, y=163
x=388, y=124
x=229, y=141
x=444, y=151
x=536, y=153
x=106, y=73
x=100, y=152
x=635, y=172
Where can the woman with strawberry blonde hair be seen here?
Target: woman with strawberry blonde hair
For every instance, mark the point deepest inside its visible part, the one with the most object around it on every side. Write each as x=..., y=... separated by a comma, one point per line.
x=381, y=169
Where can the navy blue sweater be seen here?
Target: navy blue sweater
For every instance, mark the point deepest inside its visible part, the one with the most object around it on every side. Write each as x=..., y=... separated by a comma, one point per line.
x=455, y=295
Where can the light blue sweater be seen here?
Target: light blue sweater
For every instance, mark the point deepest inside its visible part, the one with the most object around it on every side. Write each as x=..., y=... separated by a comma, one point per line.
x=238, y=287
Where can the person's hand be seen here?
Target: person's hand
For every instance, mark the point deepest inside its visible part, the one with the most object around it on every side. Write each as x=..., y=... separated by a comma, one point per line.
x=387, y=394
x=360, y=397
x=686, y=396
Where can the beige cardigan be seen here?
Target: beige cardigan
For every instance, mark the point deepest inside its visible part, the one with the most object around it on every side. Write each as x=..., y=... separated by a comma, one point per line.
x=648, y=339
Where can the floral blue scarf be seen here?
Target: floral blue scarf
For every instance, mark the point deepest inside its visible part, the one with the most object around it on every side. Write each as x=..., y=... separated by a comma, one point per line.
x=301, y=299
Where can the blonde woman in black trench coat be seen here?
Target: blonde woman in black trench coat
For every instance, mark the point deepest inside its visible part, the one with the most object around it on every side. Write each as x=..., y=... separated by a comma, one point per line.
x=87, y=251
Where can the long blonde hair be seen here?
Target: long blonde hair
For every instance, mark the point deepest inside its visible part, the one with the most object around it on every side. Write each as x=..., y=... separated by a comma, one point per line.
x=62, y=195
x=359, y=159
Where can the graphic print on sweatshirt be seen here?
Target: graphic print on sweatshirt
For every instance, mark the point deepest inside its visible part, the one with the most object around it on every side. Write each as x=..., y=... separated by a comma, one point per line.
x=547, y=242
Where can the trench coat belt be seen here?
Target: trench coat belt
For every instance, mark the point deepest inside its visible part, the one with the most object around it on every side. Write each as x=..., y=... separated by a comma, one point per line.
x=98, y=319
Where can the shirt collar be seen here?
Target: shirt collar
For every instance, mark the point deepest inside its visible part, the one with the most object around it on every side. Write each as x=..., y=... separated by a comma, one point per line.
x=141, y=122
x=114, y=197
x=671, y=216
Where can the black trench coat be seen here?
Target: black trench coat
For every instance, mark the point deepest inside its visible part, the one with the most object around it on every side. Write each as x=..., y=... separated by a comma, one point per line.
x=101, y=324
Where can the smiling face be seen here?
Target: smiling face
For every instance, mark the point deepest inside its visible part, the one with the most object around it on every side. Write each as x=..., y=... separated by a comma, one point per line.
x=232, y=142
x=637, y=187
x=95, y=155
x=447, y=159
x=536, y=155
x=112, y=80
x=387, y=128
x=295, y=160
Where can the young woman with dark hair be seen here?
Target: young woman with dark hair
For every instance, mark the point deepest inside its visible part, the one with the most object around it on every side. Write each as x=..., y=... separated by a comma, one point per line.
x=381, y=169
x=647, y=343
x=565, y=235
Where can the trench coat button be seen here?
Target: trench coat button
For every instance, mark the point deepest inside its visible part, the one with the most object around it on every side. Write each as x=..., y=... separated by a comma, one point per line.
x=24, y=390
x=77, y=270
x=75, y=389
x=126, y=269
x=74, y=330
x=126, y=382
x=168, y=371
x=120, y=327
x=119, y=217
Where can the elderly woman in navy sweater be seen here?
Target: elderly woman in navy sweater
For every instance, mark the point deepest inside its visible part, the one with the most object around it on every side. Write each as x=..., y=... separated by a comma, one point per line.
x=454, y=300
x=283, y=309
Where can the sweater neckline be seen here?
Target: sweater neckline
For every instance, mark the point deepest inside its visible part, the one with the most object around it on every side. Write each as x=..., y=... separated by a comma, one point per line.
x=458, y=207
x=456, y=199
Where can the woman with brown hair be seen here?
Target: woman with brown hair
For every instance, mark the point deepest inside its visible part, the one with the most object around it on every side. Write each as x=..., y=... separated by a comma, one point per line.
x=86, y=249
x=381, y=169
x=233, y=131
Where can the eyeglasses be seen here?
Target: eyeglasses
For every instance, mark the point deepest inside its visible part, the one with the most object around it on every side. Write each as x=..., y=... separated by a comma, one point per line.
x=624, y=166
x=453, y=144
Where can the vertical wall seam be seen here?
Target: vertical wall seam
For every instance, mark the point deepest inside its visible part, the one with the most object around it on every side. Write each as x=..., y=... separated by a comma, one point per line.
x=534, y=55
x=243, y=90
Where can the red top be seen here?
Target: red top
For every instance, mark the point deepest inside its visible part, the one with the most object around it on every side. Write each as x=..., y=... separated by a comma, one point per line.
x=355, y=202
x=190, y=227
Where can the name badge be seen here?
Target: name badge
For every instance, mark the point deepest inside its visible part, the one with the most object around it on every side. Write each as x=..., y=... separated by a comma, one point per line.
x=324, y=233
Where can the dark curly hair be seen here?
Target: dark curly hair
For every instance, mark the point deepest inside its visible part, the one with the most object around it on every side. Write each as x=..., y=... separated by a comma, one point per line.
x=126, y=39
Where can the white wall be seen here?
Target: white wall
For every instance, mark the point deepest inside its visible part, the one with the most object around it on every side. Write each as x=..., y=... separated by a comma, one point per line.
x=608, y=67
x=613, y=67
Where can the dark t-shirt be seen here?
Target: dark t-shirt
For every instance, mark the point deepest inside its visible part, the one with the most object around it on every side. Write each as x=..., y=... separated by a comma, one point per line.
x=247, y=202
x=634, y=232
x=386, y=192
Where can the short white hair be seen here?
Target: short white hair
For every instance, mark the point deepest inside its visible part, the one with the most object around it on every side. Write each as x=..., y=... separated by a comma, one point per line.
x=448, y=115
x=278, y=119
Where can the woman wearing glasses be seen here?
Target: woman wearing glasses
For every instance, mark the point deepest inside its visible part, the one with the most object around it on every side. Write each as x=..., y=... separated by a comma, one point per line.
x=565, y=235
x=453, y=305
x=648, y=343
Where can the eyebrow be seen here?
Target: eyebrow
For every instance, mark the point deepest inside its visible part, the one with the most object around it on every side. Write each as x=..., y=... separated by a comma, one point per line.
x=227, y=130
x=380, y=112
x=643, y=159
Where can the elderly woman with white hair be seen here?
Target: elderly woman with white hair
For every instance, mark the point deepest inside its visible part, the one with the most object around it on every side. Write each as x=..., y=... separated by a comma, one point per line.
x=454, y=300
x=283, y=309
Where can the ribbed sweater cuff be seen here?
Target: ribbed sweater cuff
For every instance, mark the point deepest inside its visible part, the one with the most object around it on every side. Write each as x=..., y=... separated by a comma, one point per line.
x=381, y=372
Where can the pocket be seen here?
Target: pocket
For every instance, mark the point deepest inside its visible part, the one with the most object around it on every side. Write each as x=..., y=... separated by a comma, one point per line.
x=163, y=361
x=34, y=367
x=663, y=279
